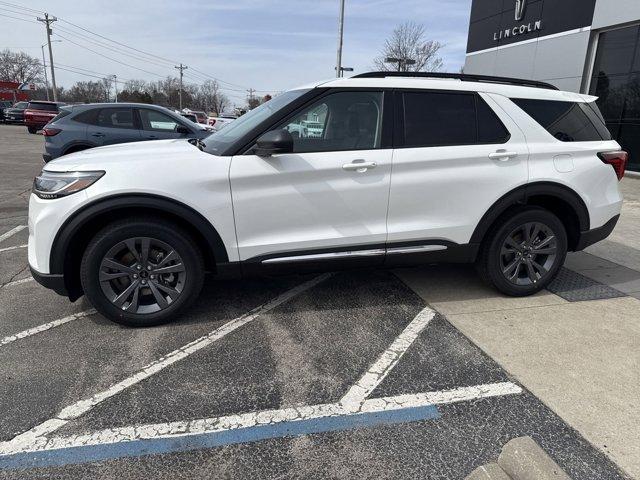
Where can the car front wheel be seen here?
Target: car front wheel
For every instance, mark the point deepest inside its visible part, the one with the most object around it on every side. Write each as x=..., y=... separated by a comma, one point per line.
x=141, y=272
x=523, y=252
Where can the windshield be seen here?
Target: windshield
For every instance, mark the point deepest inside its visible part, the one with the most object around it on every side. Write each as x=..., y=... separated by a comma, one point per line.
x=240, y=127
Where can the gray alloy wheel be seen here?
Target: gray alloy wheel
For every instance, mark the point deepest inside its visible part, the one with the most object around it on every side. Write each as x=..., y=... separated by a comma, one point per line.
x=528, y=254
x=142, y=275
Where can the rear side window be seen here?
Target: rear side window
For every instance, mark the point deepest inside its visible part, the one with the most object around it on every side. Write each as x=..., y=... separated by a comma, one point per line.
x=63, y=113
x=433, y=119
x=566, y=121
x=115, y=118
x=46, y=107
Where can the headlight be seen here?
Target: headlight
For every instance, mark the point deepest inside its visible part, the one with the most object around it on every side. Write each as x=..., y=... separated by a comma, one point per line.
x=51, y=185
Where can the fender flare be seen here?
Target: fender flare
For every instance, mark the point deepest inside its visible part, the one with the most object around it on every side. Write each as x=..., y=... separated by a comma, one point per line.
x=152, y=202
x=521, y=195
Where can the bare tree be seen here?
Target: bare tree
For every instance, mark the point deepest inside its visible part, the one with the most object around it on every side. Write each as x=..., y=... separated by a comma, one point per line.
x=408, y=42
x=19, y=67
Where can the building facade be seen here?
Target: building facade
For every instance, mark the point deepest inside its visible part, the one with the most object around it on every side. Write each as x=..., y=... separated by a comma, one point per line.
x=587, y=46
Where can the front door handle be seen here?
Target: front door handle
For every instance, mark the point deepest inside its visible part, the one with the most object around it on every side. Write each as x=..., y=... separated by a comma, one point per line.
x=502, y=155
x=359, y=166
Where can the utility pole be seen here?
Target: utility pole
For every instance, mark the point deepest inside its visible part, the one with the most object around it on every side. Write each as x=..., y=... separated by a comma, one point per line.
x=251, y=92
x=44, y=67
x=115, y=86
x=182, y=68
x=48, y=21
x=340, y=37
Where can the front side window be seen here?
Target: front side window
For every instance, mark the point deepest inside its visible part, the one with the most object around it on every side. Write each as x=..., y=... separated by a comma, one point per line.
x=338, y=122
x=158, y=121
x=566, y=121
x=115, y=118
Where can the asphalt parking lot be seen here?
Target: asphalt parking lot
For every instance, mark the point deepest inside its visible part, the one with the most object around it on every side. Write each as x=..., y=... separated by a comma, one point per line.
x=419, y=373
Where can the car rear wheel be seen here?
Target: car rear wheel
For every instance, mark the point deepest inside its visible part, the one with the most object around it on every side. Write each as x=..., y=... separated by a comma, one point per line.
x=32, y=130
x=142, y=272
x=523, y=252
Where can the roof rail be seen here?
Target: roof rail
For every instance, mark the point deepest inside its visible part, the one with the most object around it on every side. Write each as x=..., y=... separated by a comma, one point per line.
x=460, y=76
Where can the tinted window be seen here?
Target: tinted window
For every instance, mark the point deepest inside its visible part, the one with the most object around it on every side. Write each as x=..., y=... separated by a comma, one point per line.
x=89, y=116
x=21, y=105
x=115, y=118
x=566, y=121
x=339, y=121
x=63, y=113
x=158, y=121
x=490, y=128
x=47, y=107
x=436, y=119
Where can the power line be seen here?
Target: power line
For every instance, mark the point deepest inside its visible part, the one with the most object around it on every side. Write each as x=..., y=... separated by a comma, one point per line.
x=16, y=12
x=17, y=18
x=22, y=7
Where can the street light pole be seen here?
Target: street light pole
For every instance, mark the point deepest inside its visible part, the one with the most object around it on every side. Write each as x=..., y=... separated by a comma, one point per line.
x=340, y=39
x=182, y=68
x=44, y=66
x=48, y=21
x=115, y=86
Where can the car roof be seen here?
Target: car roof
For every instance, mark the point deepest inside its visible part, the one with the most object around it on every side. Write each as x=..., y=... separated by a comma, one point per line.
x=508, y=90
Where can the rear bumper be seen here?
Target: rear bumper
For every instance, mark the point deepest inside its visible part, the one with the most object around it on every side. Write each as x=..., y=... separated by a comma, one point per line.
x=597, y=234
x=51, y=281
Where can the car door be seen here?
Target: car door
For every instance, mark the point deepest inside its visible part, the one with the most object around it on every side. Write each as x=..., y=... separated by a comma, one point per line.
x=157, y=125
x=113, y=125
x=328, y=199
x=457, y=154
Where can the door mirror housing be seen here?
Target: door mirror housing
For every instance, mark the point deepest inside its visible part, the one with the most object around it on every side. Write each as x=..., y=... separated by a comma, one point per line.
x=273, y=142
x=181, y=129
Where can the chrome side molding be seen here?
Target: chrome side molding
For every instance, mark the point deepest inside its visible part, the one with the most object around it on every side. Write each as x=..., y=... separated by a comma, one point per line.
x=357, y=253
x=415, y=249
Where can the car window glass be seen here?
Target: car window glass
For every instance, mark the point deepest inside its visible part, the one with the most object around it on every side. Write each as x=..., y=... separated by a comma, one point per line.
x=115, y=118
x=154, y=120
x=47, y=107
x=490, y=128
x=339, y=121
x=566, y=121
x=21, y=105
x=438, y=119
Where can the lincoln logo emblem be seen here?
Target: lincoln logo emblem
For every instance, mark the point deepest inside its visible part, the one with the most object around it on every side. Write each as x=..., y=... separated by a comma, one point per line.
x=521, y=5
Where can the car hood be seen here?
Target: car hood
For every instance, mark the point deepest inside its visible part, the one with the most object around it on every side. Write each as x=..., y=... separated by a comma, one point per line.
x=101, y=157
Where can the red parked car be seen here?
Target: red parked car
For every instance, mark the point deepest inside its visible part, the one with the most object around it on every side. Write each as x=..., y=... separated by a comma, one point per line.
x=39, y=113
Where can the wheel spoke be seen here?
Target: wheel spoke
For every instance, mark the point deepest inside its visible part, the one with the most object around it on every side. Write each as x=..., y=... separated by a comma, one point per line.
x=172, y=292
x=544, y=251
x=107, y=277
x=534, y=235
x=541, y=270
x=133, y=305
x=144, y=254
x=121, y=298
x=527, y=233
x=113, y=265
x=170, y=257
x=161, y=301
x=177, y=268
x=545, y=242
x=513, y=244
x=508, y=270
x=531, y=272
x=131, y=245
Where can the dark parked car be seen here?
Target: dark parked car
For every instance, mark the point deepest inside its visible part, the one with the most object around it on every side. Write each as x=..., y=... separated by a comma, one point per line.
x=4, y=105
x=39, y=113
x=15, y=114
x=80, y=127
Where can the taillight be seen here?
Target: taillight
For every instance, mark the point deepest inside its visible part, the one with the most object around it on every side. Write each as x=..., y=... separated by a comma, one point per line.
x=50, y=132
x=212, y=121
x=618, y=160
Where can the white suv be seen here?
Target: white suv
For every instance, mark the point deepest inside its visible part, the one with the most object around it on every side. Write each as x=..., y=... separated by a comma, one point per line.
x=406, y=169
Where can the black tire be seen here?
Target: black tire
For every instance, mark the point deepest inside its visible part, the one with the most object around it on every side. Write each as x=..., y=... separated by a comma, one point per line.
x=32, y=130
x=162, y=237
x=496, y=256
x=77, y=148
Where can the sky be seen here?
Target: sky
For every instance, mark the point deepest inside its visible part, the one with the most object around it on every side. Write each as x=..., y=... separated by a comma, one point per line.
x=267, y=45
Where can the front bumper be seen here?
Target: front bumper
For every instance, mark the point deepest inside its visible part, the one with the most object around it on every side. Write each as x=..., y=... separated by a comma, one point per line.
x=597, y=234
x=51, y=281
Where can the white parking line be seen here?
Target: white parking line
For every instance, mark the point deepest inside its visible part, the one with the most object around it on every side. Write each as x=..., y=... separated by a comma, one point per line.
x=388, y=359
x=18, y=282
x=12, y=232
x=44, y=327
x=15, y=247
x=36, y=434
x=183, y=429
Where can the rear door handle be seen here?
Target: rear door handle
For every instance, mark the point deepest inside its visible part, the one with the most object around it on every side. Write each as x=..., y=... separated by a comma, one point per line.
x=502, y=155
x=359, y=166
x=152, y=137
x=97, y=134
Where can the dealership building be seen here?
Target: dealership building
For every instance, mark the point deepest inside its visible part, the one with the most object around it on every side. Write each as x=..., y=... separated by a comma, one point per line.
x=587, y=46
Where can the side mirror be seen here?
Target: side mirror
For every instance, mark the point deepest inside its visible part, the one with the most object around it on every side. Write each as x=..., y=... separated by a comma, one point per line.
x=182, y=130
x=273, y=142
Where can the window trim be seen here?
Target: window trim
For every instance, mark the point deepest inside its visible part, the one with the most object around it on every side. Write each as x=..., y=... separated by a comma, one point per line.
x=386, y=139
x=399, y=133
